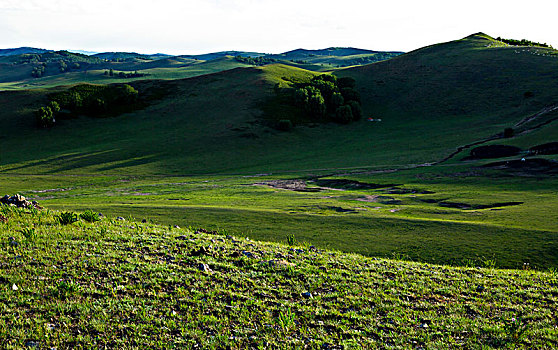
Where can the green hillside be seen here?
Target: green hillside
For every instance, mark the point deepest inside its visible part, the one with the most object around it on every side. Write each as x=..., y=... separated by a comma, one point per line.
x=461, y=91
x=188, y=151
x=334, y=57
x=457, y=93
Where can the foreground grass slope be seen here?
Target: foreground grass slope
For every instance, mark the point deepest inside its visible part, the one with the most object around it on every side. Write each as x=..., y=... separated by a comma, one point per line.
x=124, y=284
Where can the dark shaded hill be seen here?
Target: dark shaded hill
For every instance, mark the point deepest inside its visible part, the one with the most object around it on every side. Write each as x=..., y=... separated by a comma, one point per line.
x=472, y=77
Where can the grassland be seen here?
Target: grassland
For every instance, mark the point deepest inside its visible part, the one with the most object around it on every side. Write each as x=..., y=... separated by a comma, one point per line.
x=153, y=163
x=168, y=70
x=443, y=215
x=124, y=284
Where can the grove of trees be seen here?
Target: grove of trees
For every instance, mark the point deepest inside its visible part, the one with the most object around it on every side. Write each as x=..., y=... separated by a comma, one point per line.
x=326, y=98
x=89, y=100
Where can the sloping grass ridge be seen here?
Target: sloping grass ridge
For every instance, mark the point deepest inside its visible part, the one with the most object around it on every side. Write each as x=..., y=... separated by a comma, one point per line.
x=121, y=284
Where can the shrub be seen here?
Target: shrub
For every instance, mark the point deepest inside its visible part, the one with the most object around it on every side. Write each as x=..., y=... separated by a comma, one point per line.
x=508, y=132
x=54, y=106
x=291, y=240
x=44, y=117
x=346, y=82
x=343, y=114
x=336, y=100
x=494, y=151
x=356, y=109
x=90, y=216
x=350, y=94
x=66, y=218
x=316, y=106
x=326, y=77
x=29, y=233
x=285, y=125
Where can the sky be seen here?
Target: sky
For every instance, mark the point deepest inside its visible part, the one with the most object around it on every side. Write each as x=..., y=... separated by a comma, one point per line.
x=267, y=26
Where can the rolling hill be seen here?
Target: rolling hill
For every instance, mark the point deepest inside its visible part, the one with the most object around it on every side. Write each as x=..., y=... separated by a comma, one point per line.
x=433, y=103
x=334, y=57
x=28, y=68
x=458, y=92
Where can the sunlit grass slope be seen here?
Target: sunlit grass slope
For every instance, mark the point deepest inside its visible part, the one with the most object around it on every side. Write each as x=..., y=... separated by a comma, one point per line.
x=124, y=284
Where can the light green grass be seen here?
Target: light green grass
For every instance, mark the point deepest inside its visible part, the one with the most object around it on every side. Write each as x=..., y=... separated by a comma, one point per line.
x=418, y=230
x=124, y=284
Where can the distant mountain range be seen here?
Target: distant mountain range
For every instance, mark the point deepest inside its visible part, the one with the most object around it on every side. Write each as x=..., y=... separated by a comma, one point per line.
x=28, y=67
x=22, y=51
x=298, y=54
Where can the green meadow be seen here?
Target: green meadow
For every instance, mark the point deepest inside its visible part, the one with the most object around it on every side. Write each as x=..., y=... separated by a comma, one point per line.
x=233, y=217
x=203, y=151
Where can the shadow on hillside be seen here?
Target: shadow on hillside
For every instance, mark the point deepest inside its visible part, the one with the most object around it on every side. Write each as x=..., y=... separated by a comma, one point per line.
x=109, y=160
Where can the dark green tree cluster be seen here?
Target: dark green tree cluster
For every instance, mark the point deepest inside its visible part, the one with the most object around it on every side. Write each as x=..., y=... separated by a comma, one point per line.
x=90, y=100
x=380, y=56
x=63, y=66
x=123, y=75
x=45, y=116
x=255, y=61
x=327, y=98
x=522, y=42
x=38, y=71
x=100, y=101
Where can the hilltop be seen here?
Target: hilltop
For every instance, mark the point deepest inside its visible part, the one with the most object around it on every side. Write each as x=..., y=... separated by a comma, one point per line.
x=22, y=51
x=118, y=283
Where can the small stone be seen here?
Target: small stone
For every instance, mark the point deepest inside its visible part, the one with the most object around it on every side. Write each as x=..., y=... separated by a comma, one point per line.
x=424, y=325
x=14, y=287
x=204, y=267
x=247, y=254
